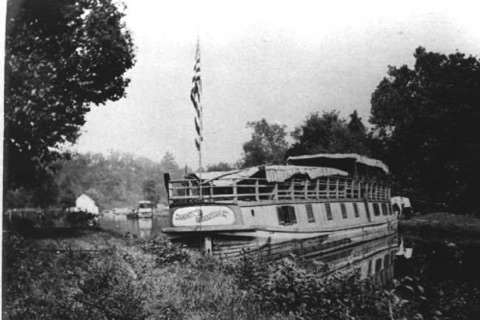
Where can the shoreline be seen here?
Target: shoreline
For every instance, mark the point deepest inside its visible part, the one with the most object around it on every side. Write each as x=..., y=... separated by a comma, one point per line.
x=439, y=227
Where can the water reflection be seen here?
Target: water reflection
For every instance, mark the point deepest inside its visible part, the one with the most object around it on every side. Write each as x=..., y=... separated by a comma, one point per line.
x=404, y=251
x=143, y=227
x=372, y=259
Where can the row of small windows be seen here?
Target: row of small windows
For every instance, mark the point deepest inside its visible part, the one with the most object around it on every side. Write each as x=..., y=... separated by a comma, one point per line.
x=286, y=214
x=386, y=209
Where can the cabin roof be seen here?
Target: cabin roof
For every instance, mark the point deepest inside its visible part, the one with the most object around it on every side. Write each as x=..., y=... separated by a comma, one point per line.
x=340, y=159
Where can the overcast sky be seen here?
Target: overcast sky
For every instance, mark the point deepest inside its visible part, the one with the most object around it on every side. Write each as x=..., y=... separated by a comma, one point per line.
x=278, y=60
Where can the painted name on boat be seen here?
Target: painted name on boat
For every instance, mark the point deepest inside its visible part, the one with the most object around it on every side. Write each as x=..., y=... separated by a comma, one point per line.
x=207, y=215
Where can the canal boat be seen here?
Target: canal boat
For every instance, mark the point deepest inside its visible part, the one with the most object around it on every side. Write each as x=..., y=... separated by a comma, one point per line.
x=313, y=205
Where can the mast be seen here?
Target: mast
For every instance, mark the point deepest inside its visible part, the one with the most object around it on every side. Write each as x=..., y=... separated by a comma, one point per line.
x=195, y=96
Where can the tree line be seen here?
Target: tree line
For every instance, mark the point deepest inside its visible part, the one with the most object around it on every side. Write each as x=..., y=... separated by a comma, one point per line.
x=115, y=180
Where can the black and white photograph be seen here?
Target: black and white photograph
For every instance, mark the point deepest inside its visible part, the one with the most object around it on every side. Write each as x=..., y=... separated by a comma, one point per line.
x=240, y=160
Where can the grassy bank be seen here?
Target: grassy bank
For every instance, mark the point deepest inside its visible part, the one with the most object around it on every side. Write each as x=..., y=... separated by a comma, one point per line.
x=92, y=274
x=441, y=227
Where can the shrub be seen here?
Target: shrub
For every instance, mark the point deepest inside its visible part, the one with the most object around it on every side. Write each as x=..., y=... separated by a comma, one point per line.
x=108, y=292
x=286, y=287
x=80, y=219
x=166, y=252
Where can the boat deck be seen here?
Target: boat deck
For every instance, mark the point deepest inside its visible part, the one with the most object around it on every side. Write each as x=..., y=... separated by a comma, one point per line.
x=252, y=189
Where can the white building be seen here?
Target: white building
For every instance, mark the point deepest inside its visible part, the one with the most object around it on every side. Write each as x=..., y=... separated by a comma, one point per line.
x=85, y=203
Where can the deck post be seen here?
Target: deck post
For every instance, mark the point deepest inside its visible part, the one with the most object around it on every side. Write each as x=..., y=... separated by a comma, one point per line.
x=336, y=188
x=257, y=196
x=208, y=246
x=235, y=193
x=189, y=192
x=292, y=190
x=305, y=189
x=317, y=189
x=328, y=188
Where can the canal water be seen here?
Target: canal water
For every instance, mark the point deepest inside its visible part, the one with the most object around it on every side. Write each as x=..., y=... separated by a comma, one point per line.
x=145, y=228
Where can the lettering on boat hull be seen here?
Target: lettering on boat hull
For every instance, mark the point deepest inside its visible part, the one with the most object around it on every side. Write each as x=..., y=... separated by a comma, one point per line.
x=203, y=216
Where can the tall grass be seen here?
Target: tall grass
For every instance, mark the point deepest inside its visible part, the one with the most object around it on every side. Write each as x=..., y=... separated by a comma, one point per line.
x=112, y=278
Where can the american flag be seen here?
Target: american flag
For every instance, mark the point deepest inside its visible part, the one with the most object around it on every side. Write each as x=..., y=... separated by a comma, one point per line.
x=195, y=97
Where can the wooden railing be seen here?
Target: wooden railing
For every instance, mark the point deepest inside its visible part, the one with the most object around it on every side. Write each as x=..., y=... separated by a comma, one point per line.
x=259, y=190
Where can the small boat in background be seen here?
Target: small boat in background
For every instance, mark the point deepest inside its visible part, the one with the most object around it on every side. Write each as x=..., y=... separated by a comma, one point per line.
x=145, y=210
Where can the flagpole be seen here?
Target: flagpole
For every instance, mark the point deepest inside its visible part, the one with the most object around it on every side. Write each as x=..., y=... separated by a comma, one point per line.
x=195, y=97
x=201, y=123
x=200, y=150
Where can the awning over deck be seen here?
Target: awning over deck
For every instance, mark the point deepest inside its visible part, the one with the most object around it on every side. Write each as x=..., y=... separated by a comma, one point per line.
x=336, y=160
x=282, y=173
x=272, y=173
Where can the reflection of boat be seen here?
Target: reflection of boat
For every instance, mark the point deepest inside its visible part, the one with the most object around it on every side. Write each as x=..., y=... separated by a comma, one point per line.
x=313, y=205
x=145, y=227
x=372, y=259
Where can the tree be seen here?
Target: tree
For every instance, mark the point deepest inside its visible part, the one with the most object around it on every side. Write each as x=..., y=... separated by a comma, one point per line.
x=150, y=192
x=61, y=56
x=426, y=122
x=267, y=145
x=329, y=134
x=169, y=165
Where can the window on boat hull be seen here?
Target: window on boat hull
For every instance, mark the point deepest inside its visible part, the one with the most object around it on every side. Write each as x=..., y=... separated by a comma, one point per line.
x=310, y=216
x=376, y=209
x=384, y=209
x=344, y=210
x=286, y=215
x=355, y=210
x=328, y=209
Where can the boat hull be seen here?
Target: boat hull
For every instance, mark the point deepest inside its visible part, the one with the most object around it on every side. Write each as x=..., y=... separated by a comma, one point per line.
x=278, y=244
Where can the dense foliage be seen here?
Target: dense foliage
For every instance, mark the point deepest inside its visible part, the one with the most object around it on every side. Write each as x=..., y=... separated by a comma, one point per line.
x=53, y=283
x=426, y=123
x=330, y=133
x=60, y=57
